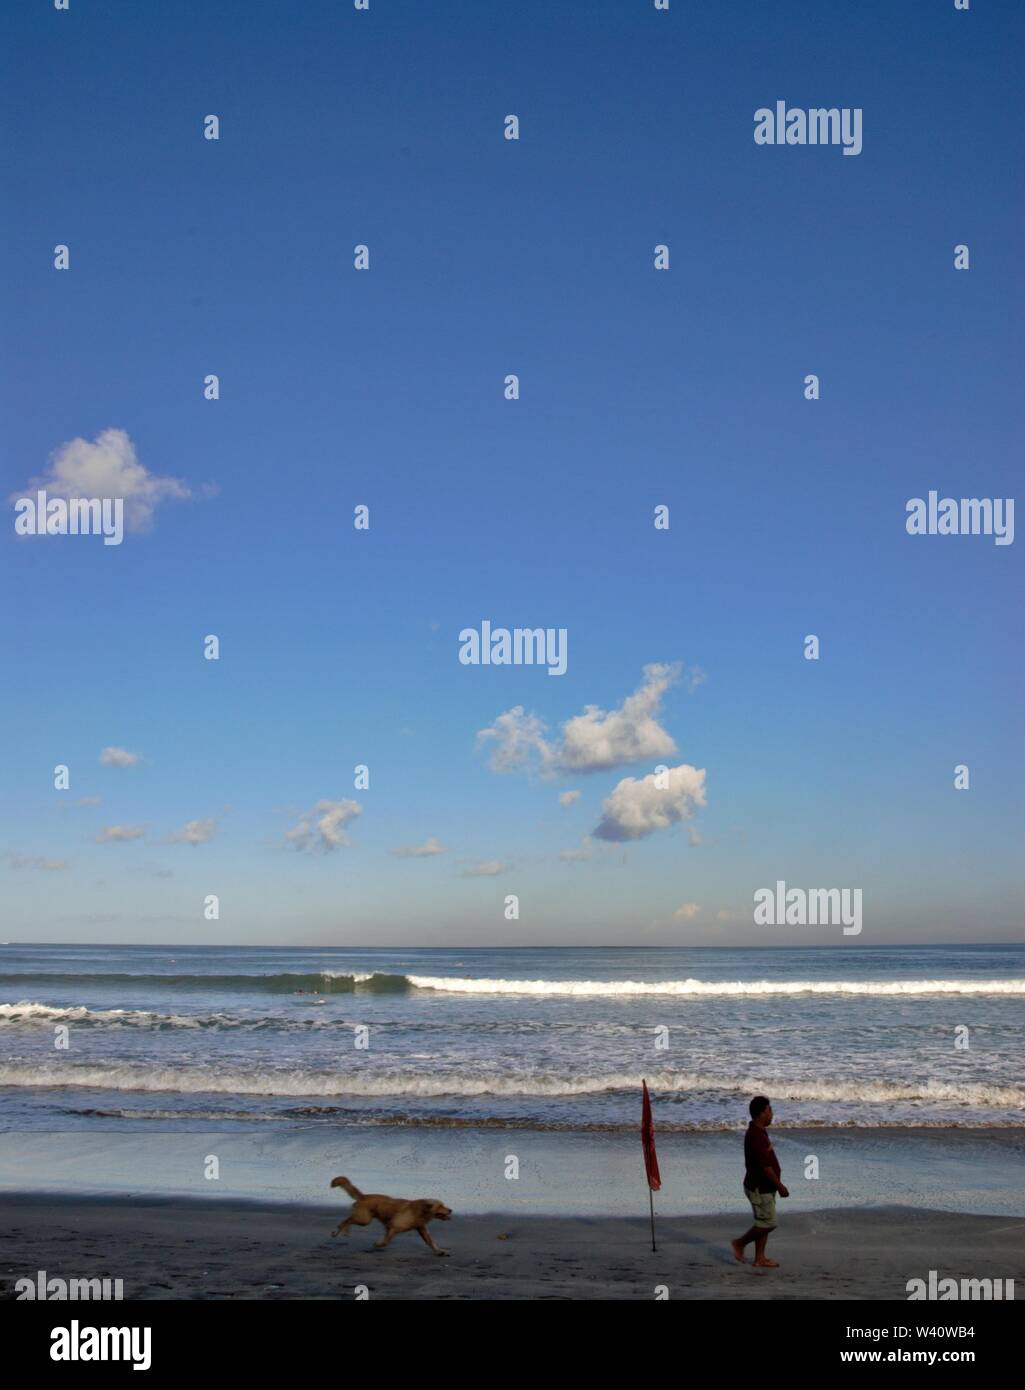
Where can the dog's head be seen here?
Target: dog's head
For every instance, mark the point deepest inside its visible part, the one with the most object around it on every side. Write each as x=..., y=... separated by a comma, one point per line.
x=440, y=1212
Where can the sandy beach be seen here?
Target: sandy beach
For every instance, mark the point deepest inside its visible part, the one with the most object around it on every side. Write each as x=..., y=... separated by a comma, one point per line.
x=180, y=1249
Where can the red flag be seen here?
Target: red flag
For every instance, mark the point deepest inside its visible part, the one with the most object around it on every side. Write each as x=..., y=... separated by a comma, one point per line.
x=648, y=1143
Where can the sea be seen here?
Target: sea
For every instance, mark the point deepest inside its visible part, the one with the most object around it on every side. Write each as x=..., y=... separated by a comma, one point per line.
x=112, y=1058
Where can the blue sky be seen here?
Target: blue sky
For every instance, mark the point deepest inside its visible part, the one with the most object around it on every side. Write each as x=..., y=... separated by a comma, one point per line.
x=638, y=388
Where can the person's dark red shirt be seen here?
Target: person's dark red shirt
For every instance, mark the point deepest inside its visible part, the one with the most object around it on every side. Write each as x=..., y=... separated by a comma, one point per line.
x=762, y=1171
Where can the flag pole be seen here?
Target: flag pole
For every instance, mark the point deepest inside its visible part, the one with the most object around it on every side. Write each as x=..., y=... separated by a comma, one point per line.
x=650, y=1157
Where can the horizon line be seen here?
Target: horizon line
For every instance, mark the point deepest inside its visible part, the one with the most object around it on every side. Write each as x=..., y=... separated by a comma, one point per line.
x=466, y=946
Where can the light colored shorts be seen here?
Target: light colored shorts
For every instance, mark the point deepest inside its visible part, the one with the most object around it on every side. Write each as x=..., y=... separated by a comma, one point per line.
x=763, y=1204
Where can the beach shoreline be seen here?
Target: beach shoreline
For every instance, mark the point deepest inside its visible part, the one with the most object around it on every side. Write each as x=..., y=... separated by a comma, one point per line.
x=174, y=1248
x=557, y=1173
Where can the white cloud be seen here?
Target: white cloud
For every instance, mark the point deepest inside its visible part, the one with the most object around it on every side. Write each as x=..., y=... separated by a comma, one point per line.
x=430, y=846
x=568, y=798
x=112, y=833
x=195, y=832
x=488, y=869
x=517, y=737
x=594, y=741
x=725, y=916
x=119, y=757
x=598, y=740
x=639, y=807
x=323, y=828
x=88, y=801
x=686, y=912
x=108, y=467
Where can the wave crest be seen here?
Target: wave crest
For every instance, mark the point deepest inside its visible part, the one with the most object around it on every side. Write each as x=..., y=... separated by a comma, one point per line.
x=712, y=989
x=378, y=982
x=199, y=1079
x=321, y=982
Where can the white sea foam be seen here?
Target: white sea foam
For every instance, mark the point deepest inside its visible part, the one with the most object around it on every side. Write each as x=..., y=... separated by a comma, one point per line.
x=27, y=1011
x=454, y=984
x=189, y=1080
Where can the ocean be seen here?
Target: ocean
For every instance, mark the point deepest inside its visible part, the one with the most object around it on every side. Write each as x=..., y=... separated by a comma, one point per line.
x=509, y=1080
x=176, y=1038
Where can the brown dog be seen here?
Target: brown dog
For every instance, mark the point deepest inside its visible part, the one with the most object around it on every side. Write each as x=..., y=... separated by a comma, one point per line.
x=396, y=1214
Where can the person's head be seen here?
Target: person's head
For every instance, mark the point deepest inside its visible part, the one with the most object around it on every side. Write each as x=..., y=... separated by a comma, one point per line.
x=760, y=1110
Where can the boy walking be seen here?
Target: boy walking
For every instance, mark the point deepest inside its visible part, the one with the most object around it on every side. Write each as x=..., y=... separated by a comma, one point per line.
x=761, y=1184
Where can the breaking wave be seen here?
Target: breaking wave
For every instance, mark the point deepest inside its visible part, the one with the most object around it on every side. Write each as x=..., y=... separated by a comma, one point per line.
x=28, y=1012
x=707, y=989
x=368, y=1084
x=375, y=982
x=322, y=982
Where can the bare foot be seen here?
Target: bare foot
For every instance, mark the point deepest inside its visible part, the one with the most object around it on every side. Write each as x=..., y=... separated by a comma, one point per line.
x=766, y=1264
x=738, y=1250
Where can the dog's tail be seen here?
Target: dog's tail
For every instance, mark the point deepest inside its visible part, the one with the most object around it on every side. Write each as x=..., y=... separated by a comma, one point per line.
x=350, y=1188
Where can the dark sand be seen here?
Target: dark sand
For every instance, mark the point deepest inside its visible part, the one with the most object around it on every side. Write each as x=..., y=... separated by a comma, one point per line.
x=207, y=1249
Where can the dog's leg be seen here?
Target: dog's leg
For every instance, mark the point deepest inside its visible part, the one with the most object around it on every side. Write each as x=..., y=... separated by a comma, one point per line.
x=426, y=1237
x=389, y=1235
x=342, y=1229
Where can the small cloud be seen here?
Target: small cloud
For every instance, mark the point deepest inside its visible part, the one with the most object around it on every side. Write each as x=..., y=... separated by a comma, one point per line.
x=568, y=798
x=686, y=912
x=639, y=807
x=488, y=869
x=694, y=677
x=695, y=836
x=517, y=739
x=725, y=917
x=111, y=834
x=119, y=757
x=195, y=832
x=598, y=739
x=36, y=861
x=322, y=830
x=108, y=467
x=88, y=801
x=594, y=741
x=430, y=846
